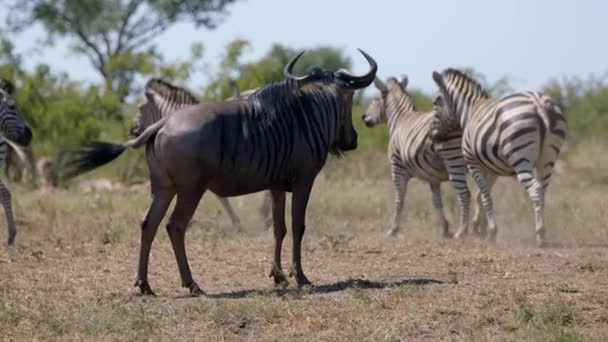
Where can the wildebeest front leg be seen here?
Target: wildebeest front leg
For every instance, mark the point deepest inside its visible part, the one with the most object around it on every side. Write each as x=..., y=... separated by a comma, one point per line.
x=278, y=217
x=299, y=201
x=230, y=211
x=149, y=226
x=187, y=201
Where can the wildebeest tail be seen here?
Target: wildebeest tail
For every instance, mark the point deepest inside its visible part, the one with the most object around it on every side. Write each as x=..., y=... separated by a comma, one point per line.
x=88, y=157
x=76, y=161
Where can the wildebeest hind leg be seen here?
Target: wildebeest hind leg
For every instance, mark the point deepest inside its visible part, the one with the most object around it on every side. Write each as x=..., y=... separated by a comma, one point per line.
x=278, y=216
x=187, y=201
x=160, y=202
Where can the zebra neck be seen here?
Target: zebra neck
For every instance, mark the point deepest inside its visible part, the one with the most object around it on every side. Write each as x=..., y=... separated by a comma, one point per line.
x=398, y=107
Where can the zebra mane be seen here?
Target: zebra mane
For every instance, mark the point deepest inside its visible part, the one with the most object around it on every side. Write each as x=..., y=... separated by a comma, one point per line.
x=407, y=102
x=457, y=77
x=170, y=92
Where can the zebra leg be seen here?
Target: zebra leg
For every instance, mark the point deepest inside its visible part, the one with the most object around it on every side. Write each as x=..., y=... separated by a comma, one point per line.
x=187, y=201
x=533, y=186
x=400, y=181
x=265, y=209
x=464, y=199
x=299, y=202
x=486, y=200
x=438, y=204
x=5, y=199
x=233, y=217
x=280, y=230
x=149, y=225
x=480, y=224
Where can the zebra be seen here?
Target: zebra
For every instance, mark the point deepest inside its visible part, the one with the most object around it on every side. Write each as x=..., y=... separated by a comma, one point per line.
x=14, y=132
x=412, y=154
x=161, y=99
x=519, y=135
x=277, y=139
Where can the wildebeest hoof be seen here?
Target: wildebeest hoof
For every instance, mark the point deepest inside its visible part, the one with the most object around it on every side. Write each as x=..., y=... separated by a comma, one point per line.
x=447, y=235
x=392, y=232
x=144, y=288
x=491, y=238
x=195, y=290
x=279, y=277
x=302, y=280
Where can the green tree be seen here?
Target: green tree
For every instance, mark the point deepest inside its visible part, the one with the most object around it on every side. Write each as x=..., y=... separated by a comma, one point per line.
x=268, y=68
x=117, y=36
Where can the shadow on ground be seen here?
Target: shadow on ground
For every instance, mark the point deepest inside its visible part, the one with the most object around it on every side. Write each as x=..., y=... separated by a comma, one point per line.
x=325, y=288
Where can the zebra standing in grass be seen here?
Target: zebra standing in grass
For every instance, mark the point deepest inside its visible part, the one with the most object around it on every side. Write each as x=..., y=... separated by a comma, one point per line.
x=520, y=134
x=412, y=154
x=162, y=99
x=14, y=131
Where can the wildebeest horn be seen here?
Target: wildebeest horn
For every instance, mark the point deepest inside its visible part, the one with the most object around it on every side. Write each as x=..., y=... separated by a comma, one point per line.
x=379, y=84
x=289, y=67
x=359, y=81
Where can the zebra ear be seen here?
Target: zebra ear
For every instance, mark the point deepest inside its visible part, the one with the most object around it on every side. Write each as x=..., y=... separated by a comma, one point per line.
x=7, y=85
x=235, y=88
x=438, y=79
x=404, y=80
x=379, y=84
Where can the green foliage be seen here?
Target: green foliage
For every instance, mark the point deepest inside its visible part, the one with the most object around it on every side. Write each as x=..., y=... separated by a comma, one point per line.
x=117, y=35
x=267, y=69
x=585, y=104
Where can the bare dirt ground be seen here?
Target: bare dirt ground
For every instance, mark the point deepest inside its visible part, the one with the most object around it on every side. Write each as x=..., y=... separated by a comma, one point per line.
x=71, y=274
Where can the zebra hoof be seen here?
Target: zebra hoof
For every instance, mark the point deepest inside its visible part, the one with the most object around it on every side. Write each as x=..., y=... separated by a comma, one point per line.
x=392, y=232
x=459, y=235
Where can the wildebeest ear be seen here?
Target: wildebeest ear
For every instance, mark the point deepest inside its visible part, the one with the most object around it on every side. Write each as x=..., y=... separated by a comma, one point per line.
x=403, y=81
x=379, y=84
x=7, y=85
x=438, y=79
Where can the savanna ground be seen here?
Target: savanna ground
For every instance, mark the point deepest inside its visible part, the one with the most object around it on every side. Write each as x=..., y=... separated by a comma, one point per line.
x=71, y=274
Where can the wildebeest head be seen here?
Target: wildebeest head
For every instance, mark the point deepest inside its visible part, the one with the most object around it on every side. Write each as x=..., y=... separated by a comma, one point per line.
x=376, y=112
x=343, y=85
x=12, y=122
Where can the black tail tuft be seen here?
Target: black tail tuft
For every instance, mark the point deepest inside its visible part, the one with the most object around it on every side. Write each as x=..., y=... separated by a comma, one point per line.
x=73, y=162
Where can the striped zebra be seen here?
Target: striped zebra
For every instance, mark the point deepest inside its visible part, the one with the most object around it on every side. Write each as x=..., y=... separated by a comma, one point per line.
x=519, y=135
x=412, y=154
x=162, y=99
x=14, y=132
x=277, y=139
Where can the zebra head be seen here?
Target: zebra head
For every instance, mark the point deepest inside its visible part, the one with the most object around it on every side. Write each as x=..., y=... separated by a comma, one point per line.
x=457, y=92
x=341, y=84
x=161, y=98
x=13, y=125
x=393, y=94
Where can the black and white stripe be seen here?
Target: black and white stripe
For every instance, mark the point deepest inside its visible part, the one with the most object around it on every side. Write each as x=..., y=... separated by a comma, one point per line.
x=413, y=155
x=519, y=135
x=14, y=131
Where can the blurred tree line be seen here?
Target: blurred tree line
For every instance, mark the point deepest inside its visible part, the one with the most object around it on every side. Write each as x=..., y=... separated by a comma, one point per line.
x=117, y=37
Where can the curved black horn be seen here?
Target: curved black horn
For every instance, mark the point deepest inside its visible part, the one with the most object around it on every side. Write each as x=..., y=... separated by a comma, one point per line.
x=359, y=81
x=289, y=67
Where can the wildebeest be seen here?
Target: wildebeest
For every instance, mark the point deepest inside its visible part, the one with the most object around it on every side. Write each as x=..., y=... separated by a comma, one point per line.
x=276, y=139
x=14, y=130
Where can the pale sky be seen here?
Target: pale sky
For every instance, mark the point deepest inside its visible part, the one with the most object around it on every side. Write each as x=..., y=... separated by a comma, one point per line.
x=530, y=41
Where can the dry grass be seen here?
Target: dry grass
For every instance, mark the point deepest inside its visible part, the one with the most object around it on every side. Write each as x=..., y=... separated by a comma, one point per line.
x=71, y=274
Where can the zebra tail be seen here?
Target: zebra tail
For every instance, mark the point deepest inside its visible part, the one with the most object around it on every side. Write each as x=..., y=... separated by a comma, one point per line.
x=73, y=162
